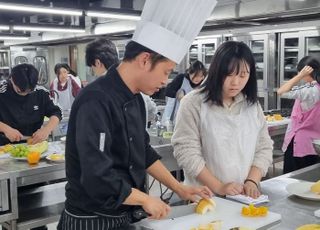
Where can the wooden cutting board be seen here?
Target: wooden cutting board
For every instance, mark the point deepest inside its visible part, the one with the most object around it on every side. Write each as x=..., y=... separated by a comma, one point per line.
x=229, y=212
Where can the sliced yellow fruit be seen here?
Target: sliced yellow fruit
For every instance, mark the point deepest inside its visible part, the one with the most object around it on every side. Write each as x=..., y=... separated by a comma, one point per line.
x=40, y=147
x=216, y=225
x=309, y=227
x=205, y=205
x=7, y=148
x=57, y=157
x=252, y=211
x=277, y=117
x=315, y=188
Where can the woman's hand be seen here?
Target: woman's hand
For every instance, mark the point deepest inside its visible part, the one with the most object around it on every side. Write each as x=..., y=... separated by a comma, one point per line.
x=230, y=189
x=251, y=189
x=307, y=70
x=13, y=134
x=40, y=135
x=191, y=193
x=156, y=208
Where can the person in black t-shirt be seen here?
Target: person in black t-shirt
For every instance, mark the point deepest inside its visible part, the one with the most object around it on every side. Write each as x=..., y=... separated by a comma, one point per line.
x=23, y=107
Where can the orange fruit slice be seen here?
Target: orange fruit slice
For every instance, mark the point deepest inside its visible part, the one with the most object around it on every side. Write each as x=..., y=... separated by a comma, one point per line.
x=33, y=157
x=252, y=211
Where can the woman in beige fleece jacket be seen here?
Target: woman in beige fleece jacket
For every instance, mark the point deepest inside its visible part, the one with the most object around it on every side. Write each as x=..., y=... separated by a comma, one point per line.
x=221, y=138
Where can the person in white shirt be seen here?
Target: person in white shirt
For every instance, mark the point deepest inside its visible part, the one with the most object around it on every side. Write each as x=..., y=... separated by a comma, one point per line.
x=221, y=138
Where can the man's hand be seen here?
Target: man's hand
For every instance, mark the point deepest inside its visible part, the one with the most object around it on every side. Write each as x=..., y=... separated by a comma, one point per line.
x=191, y=193
x=13, y=134
x=156, y=208
x=40, y=135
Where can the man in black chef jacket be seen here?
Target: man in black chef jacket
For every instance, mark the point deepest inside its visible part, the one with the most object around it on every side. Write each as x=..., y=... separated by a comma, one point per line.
x=108, y=151
x=23, y=107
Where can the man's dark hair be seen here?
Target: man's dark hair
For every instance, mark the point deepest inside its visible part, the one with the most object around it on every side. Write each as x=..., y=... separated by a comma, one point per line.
x=133, y=49
x=227, y=60
x=104, y=50
x=25, y=76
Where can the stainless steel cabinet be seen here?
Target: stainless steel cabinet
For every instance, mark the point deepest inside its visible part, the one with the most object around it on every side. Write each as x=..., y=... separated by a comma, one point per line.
x=203, y=50
x=4, y=64
x=263, y=49
x=37, y=56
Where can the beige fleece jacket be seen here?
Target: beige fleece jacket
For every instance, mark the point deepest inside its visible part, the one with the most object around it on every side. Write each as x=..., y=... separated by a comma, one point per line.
x=187, y=142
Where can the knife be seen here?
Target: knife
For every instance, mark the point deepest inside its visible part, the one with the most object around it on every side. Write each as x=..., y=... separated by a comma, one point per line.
x=25, y=138
x=181, y=210
x=176, y=211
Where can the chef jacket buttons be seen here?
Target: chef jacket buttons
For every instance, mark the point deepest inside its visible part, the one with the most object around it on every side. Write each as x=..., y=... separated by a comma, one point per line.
x=125, y=109
x=131, y=167
x=130, y=139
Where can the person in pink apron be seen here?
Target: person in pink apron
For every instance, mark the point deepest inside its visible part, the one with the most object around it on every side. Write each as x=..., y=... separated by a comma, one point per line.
x=221, y=138
x=305, y=123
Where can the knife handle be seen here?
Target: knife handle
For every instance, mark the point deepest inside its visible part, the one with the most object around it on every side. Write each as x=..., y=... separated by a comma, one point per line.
x=139, y=214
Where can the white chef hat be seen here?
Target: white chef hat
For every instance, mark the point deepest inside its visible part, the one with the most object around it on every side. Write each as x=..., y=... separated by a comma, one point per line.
x=169, y=27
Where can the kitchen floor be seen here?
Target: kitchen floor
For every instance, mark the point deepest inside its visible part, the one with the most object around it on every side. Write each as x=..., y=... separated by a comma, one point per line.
x=156, y=189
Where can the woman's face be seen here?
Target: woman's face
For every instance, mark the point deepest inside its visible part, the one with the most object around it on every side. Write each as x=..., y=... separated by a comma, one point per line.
x=63, y=75
x=235, y=82
x=197, y=77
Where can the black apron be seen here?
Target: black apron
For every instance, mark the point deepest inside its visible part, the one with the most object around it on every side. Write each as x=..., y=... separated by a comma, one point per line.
x=69, y=221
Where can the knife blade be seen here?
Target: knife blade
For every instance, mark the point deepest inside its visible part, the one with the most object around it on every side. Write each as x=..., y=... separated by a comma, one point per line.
x=181, y=210
x=24, y=138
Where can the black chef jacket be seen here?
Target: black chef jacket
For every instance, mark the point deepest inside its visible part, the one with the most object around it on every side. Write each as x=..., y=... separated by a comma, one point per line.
x=25, y=113
x=107, y=148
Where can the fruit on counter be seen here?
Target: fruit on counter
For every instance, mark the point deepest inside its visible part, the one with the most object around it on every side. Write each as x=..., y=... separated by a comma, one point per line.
x=215, y=225
x=6, y=148
x=56, y=157
x=29, y=141
x=205, y=205
x=39, y=147
x=33, y=157
x=315, y=188
x=252, y=211
x=20, y=150
x=275, y=117
x=309, y=227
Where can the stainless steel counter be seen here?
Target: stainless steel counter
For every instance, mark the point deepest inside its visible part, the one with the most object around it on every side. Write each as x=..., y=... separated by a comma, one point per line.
x=295, y=211
x=20, y=173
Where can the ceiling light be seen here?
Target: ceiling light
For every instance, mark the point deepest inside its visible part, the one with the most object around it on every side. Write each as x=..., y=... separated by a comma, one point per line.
x=2, y=37
x=2, y=27
x=49, y=29
x=101, y=14
x=42, y=10
x=115, y=27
